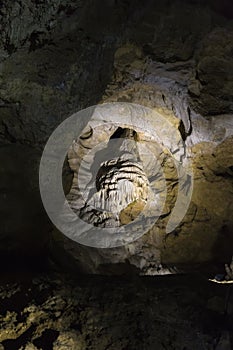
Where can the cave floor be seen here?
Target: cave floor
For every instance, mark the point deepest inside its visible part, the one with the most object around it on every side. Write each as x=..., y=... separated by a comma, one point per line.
x=54, y=311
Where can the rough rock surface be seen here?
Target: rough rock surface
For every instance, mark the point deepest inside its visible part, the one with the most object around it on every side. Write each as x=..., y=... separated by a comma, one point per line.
x=208, y=222
x=46, y=73
x=174, y=56
x=211, y=88
x=55, y=312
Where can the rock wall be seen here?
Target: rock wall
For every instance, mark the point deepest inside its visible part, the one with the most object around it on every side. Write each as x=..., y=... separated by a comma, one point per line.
x=59, y=57
x=56, y=58
x=204, y=237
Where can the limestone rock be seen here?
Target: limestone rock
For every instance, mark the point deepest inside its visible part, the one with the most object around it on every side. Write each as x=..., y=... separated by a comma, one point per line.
x=175, y=57
x=208, y=222
x=171, y=32
x=214, y=73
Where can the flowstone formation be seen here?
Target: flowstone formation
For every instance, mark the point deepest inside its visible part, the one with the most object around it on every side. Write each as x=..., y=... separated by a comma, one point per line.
x=127, y=164
x=204, y=235
x=120, y=180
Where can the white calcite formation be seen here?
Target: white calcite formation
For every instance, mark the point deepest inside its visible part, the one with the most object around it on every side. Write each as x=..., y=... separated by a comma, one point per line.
x=204, y=235
x=118, y=181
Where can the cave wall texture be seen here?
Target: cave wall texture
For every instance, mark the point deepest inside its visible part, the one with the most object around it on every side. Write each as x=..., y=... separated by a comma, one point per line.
x=58, y=57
